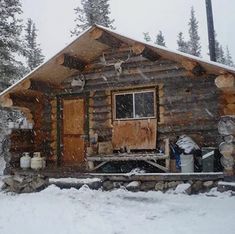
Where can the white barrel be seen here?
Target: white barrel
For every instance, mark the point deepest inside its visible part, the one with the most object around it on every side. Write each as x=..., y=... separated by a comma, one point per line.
x=25, y=161
x=187, y=163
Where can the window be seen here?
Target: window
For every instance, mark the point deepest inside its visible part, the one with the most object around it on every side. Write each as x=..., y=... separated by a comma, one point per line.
x=135, y=105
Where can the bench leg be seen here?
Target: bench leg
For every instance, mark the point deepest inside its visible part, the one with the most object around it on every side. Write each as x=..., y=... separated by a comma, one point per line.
x=90, y=165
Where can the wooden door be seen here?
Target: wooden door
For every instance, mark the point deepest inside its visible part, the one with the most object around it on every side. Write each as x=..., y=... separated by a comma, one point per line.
x=73, y=130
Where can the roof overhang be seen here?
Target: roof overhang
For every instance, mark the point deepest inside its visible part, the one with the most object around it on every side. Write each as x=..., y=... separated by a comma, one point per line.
x=90, y=45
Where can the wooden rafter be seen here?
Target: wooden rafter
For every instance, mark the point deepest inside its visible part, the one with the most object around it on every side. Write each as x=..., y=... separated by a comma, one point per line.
x=6, y=101
x=105, y=38
x=140, y=49
x=39, y=86
x=71, y=62
x=193, y=67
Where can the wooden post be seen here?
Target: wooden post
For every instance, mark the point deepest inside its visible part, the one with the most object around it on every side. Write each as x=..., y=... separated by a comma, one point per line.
x=58, y=128
x=167, y=153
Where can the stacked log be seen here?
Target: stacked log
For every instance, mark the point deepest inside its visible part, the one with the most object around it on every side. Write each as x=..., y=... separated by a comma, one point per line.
x=226, y=128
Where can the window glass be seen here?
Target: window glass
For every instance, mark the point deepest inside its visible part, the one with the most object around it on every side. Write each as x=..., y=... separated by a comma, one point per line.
x=144, y=104
x=124, y=106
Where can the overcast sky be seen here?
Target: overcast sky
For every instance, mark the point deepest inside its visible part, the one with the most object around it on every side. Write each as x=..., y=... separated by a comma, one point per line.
x=55, y=18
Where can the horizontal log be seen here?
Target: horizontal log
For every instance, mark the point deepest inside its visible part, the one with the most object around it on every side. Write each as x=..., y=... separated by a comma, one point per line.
x=130, y=81
x=131, y=65
x=229, y=98
x=201, y=107
x=135, y=70
x=193, y=98
x=106, y=124
x=189, y=126
x=160, y=177
x=101, y=110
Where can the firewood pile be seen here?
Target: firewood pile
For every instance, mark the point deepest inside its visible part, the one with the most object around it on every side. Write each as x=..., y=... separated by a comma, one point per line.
x=25, y=184
x=226, y=128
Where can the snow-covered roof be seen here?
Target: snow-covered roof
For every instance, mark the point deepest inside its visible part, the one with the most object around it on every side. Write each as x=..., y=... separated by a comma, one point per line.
x=87, y=49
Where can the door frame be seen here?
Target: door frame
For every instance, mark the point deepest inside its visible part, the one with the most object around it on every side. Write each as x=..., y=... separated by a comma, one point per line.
x=59, y=121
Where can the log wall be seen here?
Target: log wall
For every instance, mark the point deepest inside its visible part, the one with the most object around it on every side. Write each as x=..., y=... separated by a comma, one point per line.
x=187, y=104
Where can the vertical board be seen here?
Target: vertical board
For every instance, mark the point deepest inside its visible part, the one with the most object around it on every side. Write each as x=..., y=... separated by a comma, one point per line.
x=135, y=134
x=73, y=129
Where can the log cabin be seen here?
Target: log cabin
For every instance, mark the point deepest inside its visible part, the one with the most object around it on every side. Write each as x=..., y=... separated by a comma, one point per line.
x=107, y=93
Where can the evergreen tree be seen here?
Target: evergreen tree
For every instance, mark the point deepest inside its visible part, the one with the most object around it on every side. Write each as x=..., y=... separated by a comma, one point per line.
x=182, y=44
x=147, y=37
x=228, y=58
x=33, y=53
x=92, y=12
x=219, y=52
x=10, y=45
x=217, y=49
x=160, y=40
x=194, y=39
x=220, y=58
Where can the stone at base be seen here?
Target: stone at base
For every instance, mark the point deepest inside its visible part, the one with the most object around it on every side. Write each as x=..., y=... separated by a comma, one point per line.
x=133, y=186
x=108, y=185
x=146, y=186
x=160, y=186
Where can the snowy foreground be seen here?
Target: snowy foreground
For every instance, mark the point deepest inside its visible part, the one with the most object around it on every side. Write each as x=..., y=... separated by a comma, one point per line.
x=56, y=211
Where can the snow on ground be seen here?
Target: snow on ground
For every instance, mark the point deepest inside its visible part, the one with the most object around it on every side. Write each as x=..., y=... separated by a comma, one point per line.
x=84, y=211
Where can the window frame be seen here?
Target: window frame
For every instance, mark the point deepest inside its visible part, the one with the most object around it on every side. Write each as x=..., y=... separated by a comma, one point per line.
x=133, y=92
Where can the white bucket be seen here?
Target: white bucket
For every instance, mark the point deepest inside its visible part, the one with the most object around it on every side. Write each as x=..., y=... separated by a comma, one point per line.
x=187, y=163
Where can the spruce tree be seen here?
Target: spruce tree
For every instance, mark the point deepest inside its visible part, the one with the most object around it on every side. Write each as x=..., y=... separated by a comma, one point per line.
x=92, y=12
x=219, y=52
x=11, y=68
x=160, y=40
x=228, y=58
x=221, y=57
x=33, y=53
x=194, y=39
x=182, y=44
x=147, y=37
x=217, y=49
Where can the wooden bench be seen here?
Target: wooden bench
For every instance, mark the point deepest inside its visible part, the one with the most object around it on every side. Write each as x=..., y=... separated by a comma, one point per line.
x=149, y=158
